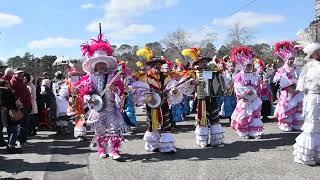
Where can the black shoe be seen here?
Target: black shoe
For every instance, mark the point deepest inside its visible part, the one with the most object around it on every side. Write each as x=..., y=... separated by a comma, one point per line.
x=14, y=150
x=3, y=143
x=155, y=150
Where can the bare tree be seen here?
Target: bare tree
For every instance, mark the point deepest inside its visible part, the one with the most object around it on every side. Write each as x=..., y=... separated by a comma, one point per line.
x=175, y=42
x=208, y=38
x=240, y=35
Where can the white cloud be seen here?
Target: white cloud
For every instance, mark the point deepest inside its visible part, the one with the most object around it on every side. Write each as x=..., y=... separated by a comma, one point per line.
x=87, y=6
x=206, y=32
x=130, y=9
x=249, y=19
x=8, y=20
x=132, y=30
x=119, y=17
x=54, y=42
x=265, y=40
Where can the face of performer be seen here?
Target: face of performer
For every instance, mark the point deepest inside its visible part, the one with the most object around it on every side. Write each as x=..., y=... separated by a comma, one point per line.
x=249, y=68
x=157, y=66
x=202, y=65
x=290, y=61
x=101, y=67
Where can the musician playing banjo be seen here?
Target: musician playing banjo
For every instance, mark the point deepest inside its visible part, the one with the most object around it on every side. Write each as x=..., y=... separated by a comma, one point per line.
x=103, y=89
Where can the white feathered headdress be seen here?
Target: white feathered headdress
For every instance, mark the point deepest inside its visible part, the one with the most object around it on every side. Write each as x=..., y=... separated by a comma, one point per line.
x=306, y=42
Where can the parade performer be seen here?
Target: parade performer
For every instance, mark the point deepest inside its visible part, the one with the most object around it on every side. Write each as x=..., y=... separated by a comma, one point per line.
x=187, y=90
x=229, y=100
x=156, y=97
x=208, y=109
x=289, y=108
x=128, y=111
x=175, y=97
x=179, y=65
x=307, y=146
x=103, y=89
x=266, y=94
x=61, y=92
x=76, y=108
x=246, y=117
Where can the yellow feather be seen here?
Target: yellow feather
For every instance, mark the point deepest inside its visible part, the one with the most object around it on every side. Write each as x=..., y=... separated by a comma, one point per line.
x=193, y=53
x=139, y=64
x=145, y=52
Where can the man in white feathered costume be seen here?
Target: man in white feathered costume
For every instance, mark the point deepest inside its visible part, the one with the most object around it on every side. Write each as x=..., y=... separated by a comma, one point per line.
x=307, y=146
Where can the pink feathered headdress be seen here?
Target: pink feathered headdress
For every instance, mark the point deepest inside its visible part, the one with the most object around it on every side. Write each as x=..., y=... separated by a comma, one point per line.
x=285, y=50
x=243, y=55
x=98, y=51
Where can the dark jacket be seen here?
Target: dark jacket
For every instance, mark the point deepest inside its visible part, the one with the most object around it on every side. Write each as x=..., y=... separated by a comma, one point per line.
x=49, y=101
x=8, y=101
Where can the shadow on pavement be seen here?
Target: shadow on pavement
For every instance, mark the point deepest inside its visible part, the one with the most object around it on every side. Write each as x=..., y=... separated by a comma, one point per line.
x=230, y=151
x=8, y=165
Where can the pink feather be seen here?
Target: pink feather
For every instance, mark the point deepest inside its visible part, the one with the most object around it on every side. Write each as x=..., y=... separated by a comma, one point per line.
x=96, y=45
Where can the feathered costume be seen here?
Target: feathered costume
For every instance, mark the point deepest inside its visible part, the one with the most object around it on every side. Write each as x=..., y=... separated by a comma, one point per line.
x=76, y=104
x=307, y=146
x=108, y=122
x=208, y=108
x=289, y=108
x=128, y=111
x=158, y=112
x=246, y=116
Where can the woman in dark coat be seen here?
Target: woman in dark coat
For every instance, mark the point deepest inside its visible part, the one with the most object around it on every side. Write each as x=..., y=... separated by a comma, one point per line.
x=8, y=102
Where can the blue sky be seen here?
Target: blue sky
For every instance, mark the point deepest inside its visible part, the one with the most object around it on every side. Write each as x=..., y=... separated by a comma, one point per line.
x=58, y=27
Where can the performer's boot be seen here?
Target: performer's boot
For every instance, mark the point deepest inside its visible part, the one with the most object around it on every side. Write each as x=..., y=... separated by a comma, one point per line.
x=152, y=141
x=167, y=143
x=102, y=142
x=201, y=136
x=216, y=135
x=115, y=147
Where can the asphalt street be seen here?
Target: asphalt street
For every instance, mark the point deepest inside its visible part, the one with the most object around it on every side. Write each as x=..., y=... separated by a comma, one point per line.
x=49, y=156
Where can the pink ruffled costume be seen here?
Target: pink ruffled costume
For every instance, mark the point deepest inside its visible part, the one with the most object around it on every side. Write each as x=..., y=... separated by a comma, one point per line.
x=289, y=108
x=246, y=117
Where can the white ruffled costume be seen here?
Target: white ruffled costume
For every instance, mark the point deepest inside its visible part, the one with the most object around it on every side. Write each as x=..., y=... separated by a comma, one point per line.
x=307, y=146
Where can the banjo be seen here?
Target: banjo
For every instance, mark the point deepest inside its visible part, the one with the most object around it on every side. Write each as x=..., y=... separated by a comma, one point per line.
x=96, y=102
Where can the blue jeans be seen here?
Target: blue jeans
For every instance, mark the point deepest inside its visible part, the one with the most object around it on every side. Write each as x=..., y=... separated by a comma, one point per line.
x=12, y=135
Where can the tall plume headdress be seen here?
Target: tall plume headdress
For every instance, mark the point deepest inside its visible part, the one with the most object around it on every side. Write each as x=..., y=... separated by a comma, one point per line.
x=243, y=55
x=285, y=50
x=98, y=51
x=194, y=54
x=150, y=56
